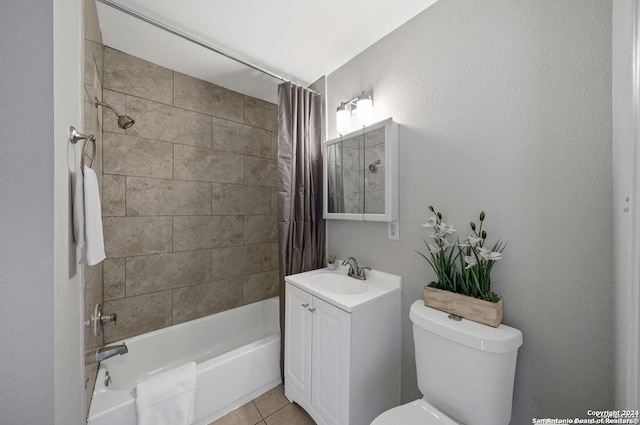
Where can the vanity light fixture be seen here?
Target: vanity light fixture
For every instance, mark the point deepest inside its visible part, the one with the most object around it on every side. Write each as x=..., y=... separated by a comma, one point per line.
x=343, y=119
x=364, y=109
x=360, y=106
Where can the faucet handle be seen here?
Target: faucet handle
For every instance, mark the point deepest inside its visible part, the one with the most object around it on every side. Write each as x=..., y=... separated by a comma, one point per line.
x=106, y=318
x=361, y=271
x=98, y=319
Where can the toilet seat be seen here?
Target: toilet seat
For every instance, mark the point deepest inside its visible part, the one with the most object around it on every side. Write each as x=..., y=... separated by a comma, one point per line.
x=417, y=412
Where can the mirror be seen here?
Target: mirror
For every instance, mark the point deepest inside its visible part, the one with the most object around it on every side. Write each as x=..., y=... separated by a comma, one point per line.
x=361, y=174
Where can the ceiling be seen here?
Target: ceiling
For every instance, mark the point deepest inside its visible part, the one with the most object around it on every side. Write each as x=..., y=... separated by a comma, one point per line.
x=300, y=40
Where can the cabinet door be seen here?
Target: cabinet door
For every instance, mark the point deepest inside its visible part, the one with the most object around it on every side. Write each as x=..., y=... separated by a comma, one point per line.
x=297, y=341
x=330, y=367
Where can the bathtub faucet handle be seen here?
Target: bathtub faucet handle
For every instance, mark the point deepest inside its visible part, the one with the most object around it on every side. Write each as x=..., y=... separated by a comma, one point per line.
x=106, y=318
x=98, y=319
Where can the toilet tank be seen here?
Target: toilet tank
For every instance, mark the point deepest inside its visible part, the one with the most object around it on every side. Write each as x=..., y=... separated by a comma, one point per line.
x=464, y=368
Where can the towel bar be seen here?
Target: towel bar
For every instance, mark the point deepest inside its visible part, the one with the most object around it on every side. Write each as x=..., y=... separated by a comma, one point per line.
x=74, y=136
x=84, y=152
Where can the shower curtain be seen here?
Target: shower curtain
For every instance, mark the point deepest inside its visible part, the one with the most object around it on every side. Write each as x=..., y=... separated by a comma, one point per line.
x=301, y=228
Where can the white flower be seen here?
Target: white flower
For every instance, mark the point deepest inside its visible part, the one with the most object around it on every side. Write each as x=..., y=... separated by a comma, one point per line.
x=434, y=248
x=433, y=235
x=470, y=260
x=447, y=229
x=495, y=256
x=489, y=255
x=473, y=241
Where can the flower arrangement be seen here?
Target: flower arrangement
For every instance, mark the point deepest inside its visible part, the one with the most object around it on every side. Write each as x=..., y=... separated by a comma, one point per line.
x=461, y=267
x=331, y=262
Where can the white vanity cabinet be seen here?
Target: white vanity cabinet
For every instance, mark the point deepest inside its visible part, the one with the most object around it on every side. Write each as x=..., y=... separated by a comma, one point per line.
x=342, y=367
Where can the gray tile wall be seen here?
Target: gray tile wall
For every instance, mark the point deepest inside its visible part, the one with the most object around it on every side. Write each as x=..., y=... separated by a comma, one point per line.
x=189, y=209
x=374, y=150
x=364, y=189
x=92, y=84
x=352, y=174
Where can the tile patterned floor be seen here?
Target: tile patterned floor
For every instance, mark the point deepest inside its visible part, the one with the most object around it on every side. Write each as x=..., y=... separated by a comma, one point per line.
x=271, y=408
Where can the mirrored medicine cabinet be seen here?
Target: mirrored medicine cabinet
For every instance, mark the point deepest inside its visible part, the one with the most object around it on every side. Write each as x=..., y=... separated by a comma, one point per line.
x=361, y=174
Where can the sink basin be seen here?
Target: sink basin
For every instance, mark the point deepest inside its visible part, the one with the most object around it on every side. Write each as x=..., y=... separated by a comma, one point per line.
x=338, y=284
x=345, y=292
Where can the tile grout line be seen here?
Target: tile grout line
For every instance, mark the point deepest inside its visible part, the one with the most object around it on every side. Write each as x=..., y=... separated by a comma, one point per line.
x=259, y=412
x=273, y=413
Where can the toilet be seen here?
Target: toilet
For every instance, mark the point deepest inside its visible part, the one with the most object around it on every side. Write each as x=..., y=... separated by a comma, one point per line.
x=465, y=372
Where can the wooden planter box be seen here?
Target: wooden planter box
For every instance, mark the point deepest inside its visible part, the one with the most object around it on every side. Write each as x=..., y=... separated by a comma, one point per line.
x=471, y=308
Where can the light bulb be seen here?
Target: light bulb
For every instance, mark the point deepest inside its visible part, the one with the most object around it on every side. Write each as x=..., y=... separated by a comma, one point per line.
x=343, y=119
x=365, y=110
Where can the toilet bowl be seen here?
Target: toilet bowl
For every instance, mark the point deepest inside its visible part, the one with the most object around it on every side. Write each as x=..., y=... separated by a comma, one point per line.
x=417, y=412
x=465, y=372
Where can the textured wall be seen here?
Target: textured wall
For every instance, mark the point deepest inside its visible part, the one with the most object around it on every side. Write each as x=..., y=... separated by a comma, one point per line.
x=188, y=197
x=505, y=106
x=26, y=229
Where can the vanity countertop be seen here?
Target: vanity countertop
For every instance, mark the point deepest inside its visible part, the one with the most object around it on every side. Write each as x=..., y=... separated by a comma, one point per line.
x=346, y=293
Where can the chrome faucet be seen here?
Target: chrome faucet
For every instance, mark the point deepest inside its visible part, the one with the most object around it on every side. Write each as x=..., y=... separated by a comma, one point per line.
x=355, y=271
x=105, y=353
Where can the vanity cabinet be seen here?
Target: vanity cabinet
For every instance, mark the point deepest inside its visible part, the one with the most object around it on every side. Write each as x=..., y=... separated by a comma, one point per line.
x=342, y=367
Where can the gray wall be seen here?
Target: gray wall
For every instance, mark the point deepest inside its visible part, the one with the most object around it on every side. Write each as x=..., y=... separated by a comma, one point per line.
x=188, y=197
x=26, y=213
x=505, y=106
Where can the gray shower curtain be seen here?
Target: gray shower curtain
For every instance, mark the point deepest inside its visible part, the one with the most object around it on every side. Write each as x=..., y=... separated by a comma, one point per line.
x=301, y=228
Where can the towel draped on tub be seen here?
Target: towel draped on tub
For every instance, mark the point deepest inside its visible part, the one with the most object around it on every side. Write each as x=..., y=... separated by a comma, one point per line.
x=168, y=397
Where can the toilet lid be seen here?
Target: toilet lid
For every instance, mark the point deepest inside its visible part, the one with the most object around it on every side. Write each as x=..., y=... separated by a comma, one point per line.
x=417, y=412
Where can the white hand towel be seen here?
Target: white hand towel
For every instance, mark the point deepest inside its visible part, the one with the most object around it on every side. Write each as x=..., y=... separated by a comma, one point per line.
x=167, y=398
x=77, y=190
x=93, y=218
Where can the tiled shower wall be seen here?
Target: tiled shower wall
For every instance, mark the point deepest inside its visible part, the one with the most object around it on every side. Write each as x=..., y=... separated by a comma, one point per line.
x=189, y=204
x=352, y=174
x=374, y=150
x=364, y=188
x=93, y=72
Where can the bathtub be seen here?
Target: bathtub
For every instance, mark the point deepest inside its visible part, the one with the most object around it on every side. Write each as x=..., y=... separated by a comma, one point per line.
x=237, y=353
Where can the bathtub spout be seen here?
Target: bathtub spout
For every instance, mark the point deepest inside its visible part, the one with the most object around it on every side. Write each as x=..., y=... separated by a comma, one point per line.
x=105, y=353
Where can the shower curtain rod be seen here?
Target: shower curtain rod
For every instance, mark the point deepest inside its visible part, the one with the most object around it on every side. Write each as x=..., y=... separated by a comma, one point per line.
x=187, y=37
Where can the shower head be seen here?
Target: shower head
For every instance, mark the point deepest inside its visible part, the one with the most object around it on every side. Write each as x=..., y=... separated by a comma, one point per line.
x=124, y=121
x=373, y=167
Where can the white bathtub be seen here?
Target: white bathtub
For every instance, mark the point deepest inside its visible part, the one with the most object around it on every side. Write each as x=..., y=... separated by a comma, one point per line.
x=237, y=354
